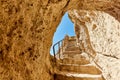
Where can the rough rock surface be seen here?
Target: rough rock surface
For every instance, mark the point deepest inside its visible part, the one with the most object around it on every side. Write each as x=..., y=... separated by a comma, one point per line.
x=26, y=31
x=75, y=65
x=102, y=32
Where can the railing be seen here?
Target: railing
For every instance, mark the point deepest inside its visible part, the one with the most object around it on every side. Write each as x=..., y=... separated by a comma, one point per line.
x=59, y=49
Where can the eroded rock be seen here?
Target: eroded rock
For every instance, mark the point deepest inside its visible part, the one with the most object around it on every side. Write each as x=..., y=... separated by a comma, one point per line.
x=103, y=34
x=26, y=31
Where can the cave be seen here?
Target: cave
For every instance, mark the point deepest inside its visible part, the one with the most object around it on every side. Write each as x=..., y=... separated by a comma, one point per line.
x=27, y=29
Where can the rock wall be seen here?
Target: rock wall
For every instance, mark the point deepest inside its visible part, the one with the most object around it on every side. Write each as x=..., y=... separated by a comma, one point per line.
x=27, y=28
x=102, y=32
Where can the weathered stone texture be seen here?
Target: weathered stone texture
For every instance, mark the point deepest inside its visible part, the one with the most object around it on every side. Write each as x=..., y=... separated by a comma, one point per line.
x=104, y=37
x=26, y=31
x=103, y=30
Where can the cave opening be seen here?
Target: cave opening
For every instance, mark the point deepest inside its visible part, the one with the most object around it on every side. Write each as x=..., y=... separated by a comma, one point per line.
x=98, y=31
x=36, y=21
x=66, y=27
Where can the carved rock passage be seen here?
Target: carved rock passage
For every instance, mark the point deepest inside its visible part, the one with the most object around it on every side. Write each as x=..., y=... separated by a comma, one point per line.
x=75, y=65
x=104, y=34
x=26, y=31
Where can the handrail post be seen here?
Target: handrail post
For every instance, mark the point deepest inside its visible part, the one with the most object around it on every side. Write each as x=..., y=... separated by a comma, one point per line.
x=54, y=53
x=59, y=49
x=62, y=45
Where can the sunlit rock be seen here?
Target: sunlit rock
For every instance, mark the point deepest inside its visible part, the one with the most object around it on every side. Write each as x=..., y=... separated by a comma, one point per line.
x=102, y=32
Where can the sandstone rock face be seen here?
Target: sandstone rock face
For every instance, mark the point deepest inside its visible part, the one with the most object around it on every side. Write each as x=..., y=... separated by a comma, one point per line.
x=103, y=30
x=26, y=31
x=103, y=34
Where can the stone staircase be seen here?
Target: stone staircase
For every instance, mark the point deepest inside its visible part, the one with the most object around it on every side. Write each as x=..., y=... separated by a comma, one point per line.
x=75, y=66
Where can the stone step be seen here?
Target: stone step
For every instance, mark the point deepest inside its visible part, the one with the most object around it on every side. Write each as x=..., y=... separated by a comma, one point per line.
x=81, y=61
x=88, y=69
x=73, y=76
x=72, y=52
x=72, y=39
x=71, y=43
x=75, y=48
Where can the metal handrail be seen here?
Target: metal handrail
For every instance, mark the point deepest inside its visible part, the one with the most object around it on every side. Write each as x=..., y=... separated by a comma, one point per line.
x=59, y=49
x=58, y=43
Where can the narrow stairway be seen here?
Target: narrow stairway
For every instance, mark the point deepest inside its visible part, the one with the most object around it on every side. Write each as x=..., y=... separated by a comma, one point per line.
x=74, y=65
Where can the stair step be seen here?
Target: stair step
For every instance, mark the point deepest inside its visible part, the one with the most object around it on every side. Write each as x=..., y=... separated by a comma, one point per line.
x=72, y=39
x=80, y=61
x=80, y=69
x=71, y=52
x=71, y=43
x=76, y=64
x=73, y=76
x=75, y=48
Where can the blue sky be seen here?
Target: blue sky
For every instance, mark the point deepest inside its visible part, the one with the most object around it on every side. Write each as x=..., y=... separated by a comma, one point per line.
x=65, y=27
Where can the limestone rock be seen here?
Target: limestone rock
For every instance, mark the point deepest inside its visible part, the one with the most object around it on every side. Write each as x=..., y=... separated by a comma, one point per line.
x=103, y=31
x=103, y=34
x=26, y=31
